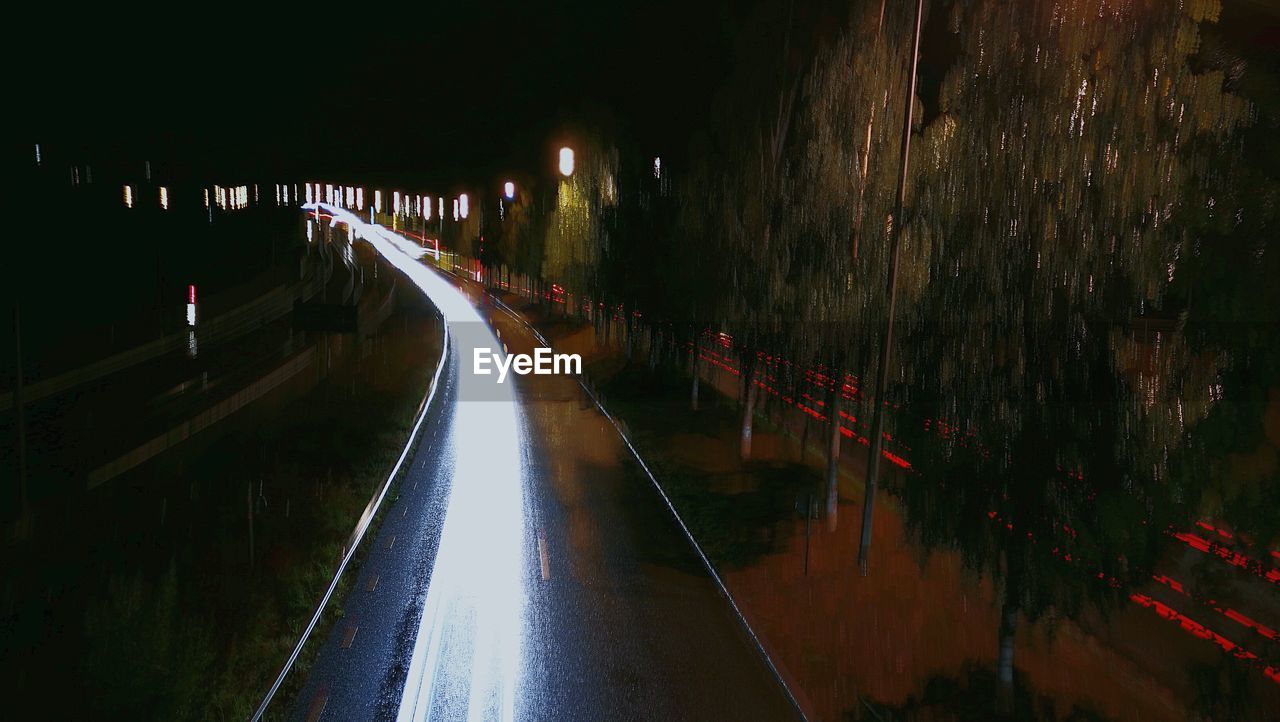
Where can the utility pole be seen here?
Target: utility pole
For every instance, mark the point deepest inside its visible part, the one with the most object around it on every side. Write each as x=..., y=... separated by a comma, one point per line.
x=895, y=248
x=24, y=499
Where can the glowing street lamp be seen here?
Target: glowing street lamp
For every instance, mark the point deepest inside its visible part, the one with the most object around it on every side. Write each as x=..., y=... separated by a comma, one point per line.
x=464, y=206
x=566, y=161
x=509, y=190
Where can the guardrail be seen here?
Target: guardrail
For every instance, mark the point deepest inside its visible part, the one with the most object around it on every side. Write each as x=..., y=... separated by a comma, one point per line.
x=240, y=320
x=201, y=421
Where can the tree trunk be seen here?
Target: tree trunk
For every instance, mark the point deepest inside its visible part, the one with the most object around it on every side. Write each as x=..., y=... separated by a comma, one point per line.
x=833, y=455
x=627, y=329
x=748, y=409
x=794, y=384
x=804, y=438
x=694, y=363
x=1004, y=663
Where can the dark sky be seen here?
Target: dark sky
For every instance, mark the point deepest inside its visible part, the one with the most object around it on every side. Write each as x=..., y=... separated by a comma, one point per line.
x=440, y=91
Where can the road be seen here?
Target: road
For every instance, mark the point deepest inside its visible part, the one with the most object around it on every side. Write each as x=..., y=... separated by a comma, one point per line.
x=527, y=569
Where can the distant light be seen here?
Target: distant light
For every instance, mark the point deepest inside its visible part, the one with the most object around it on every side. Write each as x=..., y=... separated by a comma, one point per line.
x=657, y=168
x=395, y=203
x=206, y=196
x=377, y=201
x=464, y=208
x=309, y=198
x=509, y=190
x=455, y=210
x=191, y=304
x=427, y=215
x=566, y=161
x=440, y=207
x=359, y=199
x=164, y=199
x=128, y=196
x=37, y=154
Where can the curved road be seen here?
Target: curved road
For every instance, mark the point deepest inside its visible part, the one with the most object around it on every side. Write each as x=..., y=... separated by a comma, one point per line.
x=527, y=569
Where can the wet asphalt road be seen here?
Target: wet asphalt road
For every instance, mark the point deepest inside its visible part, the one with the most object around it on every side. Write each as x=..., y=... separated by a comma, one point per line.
x=527, y=569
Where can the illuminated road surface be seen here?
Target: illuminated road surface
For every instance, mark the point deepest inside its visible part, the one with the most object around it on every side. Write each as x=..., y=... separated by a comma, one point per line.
x=527, y=570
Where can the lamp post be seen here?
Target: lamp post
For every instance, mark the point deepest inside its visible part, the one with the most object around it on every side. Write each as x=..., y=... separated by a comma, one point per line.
x=895, y=247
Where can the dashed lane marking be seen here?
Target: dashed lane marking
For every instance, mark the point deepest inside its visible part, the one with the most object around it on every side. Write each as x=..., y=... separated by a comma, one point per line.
x=349, y=636
x=316, y=708
x=544, y=556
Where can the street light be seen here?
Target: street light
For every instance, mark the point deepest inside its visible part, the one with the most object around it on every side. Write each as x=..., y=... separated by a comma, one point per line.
x=509, y=189
x=566, y=161
x=876, y=440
